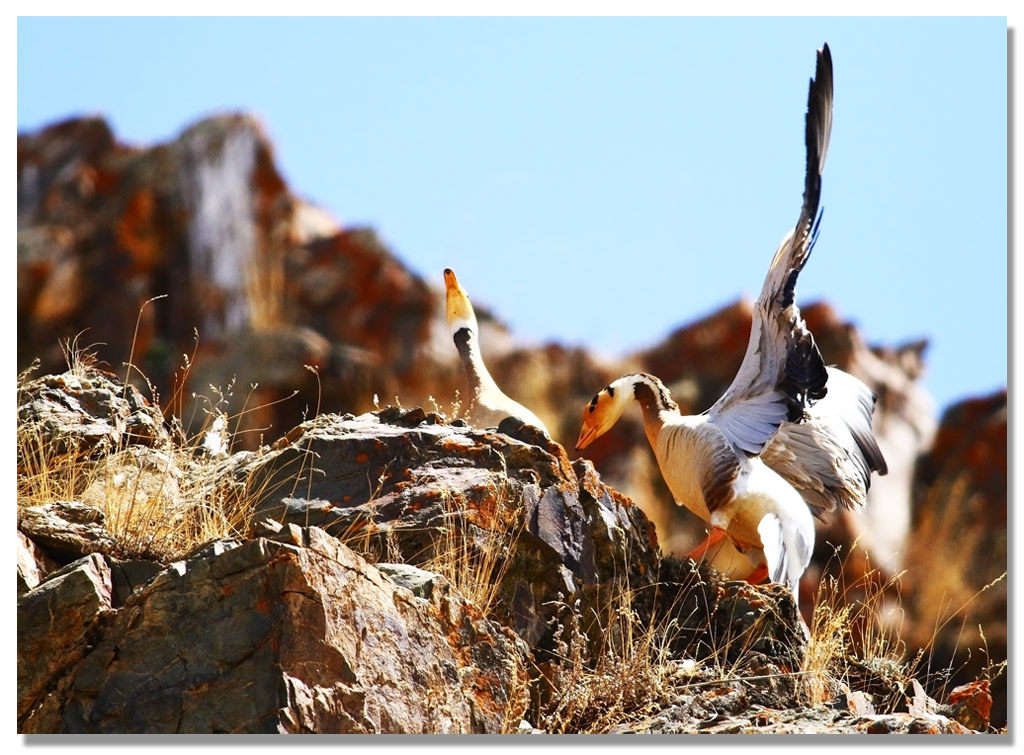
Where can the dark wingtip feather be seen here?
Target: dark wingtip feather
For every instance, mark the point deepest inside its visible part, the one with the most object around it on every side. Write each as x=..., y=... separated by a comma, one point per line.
x=817, y=131
x=805, y=379
x=872, y=453
x=818, y=125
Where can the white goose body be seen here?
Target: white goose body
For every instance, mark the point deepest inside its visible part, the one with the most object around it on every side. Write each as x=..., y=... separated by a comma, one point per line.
x=789, y=436
x=739, y=495
x=690, y=450
x=487, y=403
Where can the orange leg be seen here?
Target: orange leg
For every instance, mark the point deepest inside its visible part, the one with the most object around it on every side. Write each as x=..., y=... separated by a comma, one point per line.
x=714, y=538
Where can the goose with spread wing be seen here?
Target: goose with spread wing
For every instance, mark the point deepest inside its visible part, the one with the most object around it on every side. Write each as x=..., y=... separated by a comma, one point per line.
x=488, y=405
x=789, y=436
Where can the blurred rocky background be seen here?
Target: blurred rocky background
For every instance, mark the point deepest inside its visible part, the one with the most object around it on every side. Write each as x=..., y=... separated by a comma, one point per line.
x=195, y=271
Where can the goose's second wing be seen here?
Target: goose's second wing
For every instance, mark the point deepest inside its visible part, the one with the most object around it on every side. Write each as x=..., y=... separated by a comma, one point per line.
x=830, y=454
x=782, y=372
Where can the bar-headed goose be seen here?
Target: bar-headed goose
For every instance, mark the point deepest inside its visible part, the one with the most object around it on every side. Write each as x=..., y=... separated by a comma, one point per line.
x=789, y=436
x=488, y=405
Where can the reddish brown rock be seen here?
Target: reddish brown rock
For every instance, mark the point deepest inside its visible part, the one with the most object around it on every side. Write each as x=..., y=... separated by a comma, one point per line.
x=971, y=447
x=82, y=412
x=288, y=288
x=289, y=630
x=959, y=547
x=395, y=479
x=33, y=564
x=271, y=285
x=66, y=530
x=971, y=705
x=197, y=247
x=904, y=425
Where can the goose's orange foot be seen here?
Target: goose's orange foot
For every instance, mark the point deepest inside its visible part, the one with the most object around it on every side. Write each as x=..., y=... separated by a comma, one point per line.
x=759, y=575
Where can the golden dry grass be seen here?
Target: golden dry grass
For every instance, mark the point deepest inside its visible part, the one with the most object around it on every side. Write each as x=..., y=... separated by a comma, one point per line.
x=861, y=639
x=854, y=625
x=159, y=501
x=629, y=680
x=633, y=669
x=454, y=407
x=474, y=547
x=955, y=588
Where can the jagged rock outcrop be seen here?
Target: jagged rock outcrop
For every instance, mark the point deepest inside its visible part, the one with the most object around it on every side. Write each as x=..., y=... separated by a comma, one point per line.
x=292, y=634
x=288, y=289
x=33, y=564
x=504, y=569
x=85, y=411
x=400, y=477
x=108, y=645
x=200, y=242
x=904, y=424
x=57, y=622
x=63, y=531
x=551, y=534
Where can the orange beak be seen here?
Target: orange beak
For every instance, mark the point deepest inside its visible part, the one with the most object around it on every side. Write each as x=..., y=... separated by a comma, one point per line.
x=587, y=435
x=457, y=306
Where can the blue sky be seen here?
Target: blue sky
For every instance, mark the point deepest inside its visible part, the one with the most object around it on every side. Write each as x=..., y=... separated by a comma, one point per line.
x=603, y=181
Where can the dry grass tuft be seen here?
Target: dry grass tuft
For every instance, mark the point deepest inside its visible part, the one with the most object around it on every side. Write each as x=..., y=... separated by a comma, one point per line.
x=946, y=586
x=859, y=642
x=633, y=673
x=164, y=500
x=474, y=547
x=454, y=406
x=855, y=630
x=160, y=501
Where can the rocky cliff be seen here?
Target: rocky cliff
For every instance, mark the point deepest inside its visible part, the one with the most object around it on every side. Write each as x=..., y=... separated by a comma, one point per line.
x=198, y=247
x=393, y=572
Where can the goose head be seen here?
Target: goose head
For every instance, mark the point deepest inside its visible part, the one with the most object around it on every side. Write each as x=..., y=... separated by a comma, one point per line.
x=458, y=308
x=604, y=410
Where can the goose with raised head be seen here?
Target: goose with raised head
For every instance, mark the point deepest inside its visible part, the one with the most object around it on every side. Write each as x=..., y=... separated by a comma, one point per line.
x=789, y=436
x=488, y=405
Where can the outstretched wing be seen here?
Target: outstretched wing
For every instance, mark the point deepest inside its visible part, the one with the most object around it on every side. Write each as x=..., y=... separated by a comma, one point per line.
x=782, y=372
x=830, y=454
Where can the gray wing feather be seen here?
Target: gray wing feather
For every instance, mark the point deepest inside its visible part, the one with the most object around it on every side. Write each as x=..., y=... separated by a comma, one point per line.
x=782, y=371
x=830, y=454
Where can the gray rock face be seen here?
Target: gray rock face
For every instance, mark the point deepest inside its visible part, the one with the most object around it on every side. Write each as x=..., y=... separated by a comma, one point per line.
x=295, y=635
x=398, y=477
x=67, y=530
x=33, y=564
x=57, y=622
x=88, y=412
